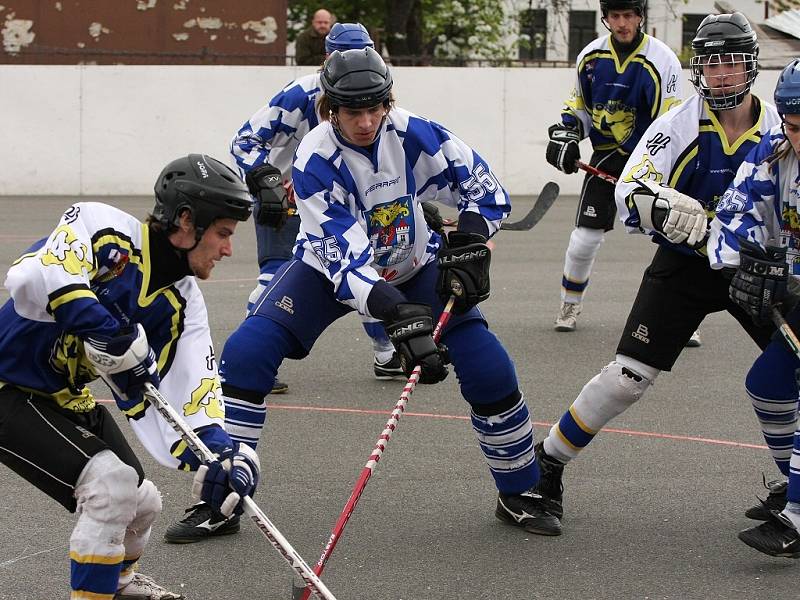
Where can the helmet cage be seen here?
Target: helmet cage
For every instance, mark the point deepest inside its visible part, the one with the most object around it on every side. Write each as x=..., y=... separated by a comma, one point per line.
x=728, y=87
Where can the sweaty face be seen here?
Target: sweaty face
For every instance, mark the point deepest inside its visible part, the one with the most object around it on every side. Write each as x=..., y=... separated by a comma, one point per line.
x=359, y=126
x=215, y=243
x=624, y=25
x=791, y=127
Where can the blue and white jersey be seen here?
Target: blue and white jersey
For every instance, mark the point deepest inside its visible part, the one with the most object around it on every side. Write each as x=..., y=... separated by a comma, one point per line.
x=361, y=217
x=91, y=276
x=760, y=205
x=274, y=132
x=614, y=102
x=688, y=150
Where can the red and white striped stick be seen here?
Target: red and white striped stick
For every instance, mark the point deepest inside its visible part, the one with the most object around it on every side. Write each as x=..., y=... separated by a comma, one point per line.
x=303, y=592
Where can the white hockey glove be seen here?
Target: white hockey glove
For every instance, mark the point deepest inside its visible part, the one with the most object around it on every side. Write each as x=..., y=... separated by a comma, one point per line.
x=678, y=217
x=126, y=362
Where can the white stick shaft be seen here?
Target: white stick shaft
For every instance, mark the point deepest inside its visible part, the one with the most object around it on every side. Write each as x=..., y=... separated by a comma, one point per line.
x=275, y=537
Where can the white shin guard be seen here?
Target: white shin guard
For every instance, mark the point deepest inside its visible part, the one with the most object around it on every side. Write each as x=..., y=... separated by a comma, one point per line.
x=608, y=394
x=148, y=507
x=584, y=244
x=106, y=495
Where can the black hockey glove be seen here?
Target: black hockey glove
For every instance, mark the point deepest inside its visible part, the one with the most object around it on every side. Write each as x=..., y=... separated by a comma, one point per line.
x=410, y=327
x=272, y=202
x=760, y=281
x=433, y=217
x=562, y=151
x=464, y=270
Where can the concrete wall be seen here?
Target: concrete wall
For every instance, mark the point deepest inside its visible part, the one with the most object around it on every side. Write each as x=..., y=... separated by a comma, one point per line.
x=108, y=130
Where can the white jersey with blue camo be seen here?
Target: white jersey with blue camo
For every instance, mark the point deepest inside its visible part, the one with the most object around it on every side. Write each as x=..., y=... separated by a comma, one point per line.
x=274, y=132
x=760, y=205
x=360, y=208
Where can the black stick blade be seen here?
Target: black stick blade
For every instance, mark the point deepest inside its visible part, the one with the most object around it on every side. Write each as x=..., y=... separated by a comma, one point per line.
x=543, y=203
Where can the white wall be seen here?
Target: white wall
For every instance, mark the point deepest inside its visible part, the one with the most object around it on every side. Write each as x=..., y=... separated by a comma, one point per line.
x=108, y=130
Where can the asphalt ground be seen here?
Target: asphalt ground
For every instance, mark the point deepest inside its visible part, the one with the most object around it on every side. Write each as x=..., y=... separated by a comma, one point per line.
x=652, y=506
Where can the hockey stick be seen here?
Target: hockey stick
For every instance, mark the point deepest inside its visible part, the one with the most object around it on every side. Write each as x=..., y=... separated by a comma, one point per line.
x=275, y=537
x=543, y=203
x=302, y=592
x=786, y=330
x=597, y=172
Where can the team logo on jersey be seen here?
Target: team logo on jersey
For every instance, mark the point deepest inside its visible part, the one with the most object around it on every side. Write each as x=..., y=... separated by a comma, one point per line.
x=790, y=218
x=614, y=120
x=644, y=170
x=118, y=261
x=390, y=227
x=208, y=397
x=68, y=252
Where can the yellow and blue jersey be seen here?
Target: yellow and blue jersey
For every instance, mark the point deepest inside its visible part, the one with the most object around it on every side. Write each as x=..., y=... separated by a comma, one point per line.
x=688, y=150
x=614, y=101
x=91, y=276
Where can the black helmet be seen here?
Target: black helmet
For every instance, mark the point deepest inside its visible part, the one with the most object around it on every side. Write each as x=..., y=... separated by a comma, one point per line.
x=636, y=5
x=717, y=36
x=208, y=188
x=356, y=78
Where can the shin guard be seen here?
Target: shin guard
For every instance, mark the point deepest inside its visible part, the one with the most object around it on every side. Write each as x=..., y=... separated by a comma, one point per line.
x=608, y=394
x=584, y=244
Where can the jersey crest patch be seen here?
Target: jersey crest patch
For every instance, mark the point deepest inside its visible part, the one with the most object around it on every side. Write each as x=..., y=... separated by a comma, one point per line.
x=68, y=252
x=614, y=120
x=391, y=230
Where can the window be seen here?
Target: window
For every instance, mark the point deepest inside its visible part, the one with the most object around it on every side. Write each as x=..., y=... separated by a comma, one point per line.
x=581, y=31
x=690, y=25
x=533, y=23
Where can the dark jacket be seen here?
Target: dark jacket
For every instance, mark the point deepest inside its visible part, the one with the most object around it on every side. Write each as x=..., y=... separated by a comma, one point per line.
x=309, y=47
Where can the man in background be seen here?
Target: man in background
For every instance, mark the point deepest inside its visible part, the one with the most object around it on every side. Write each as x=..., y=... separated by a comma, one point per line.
x=310, y=44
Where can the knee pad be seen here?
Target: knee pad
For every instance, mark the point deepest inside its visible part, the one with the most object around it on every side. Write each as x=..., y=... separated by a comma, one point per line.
x=618, y=386
x=106, y=489
x=584, y=242
x=148, y=506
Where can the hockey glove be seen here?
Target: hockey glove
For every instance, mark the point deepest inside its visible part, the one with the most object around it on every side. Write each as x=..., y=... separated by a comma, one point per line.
x=760, y=281
x=433, y=217
x=272, y=201
x=562, y=151
x=410, y=327
x=224, y=483
x=464, y=270
x=678, y=217
x=126, y=362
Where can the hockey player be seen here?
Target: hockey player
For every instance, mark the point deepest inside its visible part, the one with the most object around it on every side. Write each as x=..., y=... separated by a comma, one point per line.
x=624, y=81
x=105, y=295
x=674, y=177
x=360, y=178
x=757, y=219
x=263, y=150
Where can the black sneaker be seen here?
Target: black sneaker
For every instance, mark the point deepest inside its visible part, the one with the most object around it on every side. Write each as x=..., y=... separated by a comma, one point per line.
x=527, y=510
x=390, y=369
x=200, y=522
x=279, y=387
x=776, y=501
x=776, y=537
x=550, y=486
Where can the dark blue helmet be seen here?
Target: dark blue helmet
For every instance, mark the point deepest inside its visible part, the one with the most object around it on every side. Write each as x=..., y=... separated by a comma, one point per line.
x=348, y=36
x=787, y=92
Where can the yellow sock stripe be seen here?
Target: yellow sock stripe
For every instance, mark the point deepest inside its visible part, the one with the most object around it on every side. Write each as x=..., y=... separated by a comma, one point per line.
x=96, y=559
x=579, y=422
x=84, y=595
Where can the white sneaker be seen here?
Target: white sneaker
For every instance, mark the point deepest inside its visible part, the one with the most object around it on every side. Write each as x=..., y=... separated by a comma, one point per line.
x=694, y=341
x=143, y=587
x=567, y=319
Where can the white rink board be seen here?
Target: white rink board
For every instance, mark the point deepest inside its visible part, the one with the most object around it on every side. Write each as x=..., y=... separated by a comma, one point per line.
x=108, y=130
